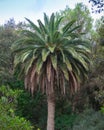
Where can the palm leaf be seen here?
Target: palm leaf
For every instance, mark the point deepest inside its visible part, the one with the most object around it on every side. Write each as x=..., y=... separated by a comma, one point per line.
x=42, y=27
x=63, y=55
x=45, y=53
x=46, y=20
x=33, y=25
x=52, y=48
x=25, y=55
x=68, y=64
x=51, y=26
x=54, y=61
x=73, y=29
x=39, y=64
x=28, y=64
x=51, y=23
x=65, y=71
x=57, y=23
x=67, y=26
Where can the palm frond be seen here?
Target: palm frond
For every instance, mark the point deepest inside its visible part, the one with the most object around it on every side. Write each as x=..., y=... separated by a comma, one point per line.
x=36, y=28
x=54, y=61
x=46, y=20
x=67, y=26
x=45, y=54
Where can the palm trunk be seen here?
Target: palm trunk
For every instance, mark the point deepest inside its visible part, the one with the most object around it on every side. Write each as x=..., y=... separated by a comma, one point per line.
x=51, y=112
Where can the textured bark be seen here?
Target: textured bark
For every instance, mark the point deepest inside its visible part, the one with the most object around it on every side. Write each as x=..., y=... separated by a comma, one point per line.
x=51, y=112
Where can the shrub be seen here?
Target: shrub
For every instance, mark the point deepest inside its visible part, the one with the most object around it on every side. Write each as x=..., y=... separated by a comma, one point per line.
x=8, y=103
x=64, y=115
x=64, y=122
x=8, y=122
x=32, y=108
x=89, y=120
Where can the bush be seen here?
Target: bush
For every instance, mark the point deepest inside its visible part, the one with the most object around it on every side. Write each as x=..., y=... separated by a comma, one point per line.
x=8, y=119
x=64, y=122
x=8, y=122
x=89, y=120
x=64, y=115
x=33, y=108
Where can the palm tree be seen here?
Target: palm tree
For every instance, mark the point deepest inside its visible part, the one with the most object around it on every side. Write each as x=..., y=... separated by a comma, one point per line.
x=50, y=56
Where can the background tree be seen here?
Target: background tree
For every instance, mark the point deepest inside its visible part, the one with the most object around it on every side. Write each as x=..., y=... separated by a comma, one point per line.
x=7, y=37
x=50, y=55
x=100, y=30
x=82, y=16
x=97, y=6
x=9, y=32
x=95, y=83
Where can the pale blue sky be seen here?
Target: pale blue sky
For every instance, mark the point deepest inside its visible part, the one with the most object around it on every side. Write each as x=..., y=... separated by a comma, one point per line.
x=33, y=9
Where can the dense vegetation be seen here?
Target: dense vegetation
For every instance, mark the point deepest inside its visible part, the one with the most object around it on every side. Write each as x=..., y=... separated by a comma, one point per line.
x=80, y=109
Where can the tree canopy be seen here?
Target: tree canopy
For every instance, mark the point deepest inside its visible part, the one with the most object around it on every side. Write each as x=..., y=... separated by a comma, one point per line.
x=97, y=6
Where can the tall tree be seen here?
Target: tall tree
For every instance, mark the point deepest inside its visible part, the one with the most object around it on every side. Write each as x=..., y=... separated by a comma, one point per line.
x=97, y=6
x=7, y=37
x=82, y=16
x=49, y=56
x=8, y=34
x=100, y=30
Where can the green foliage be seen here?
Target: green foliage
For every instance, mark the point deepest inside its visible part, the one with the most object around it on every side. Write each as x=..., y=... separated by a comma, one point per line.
x=32, y=108
x=16, y=84
x=102, y=109
x=13, y=123
x=80, y=14
x=7, y=37
x=89, y=120
x=8, y=34
x=99, y=97
x=64, y=121
x=95, y=84
x=64, y=116
x=8, y=104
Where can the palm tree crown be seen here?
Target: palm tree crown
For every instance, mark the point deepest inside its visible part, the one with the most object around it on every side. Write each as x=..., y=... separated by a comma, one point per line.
x=50, y=54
